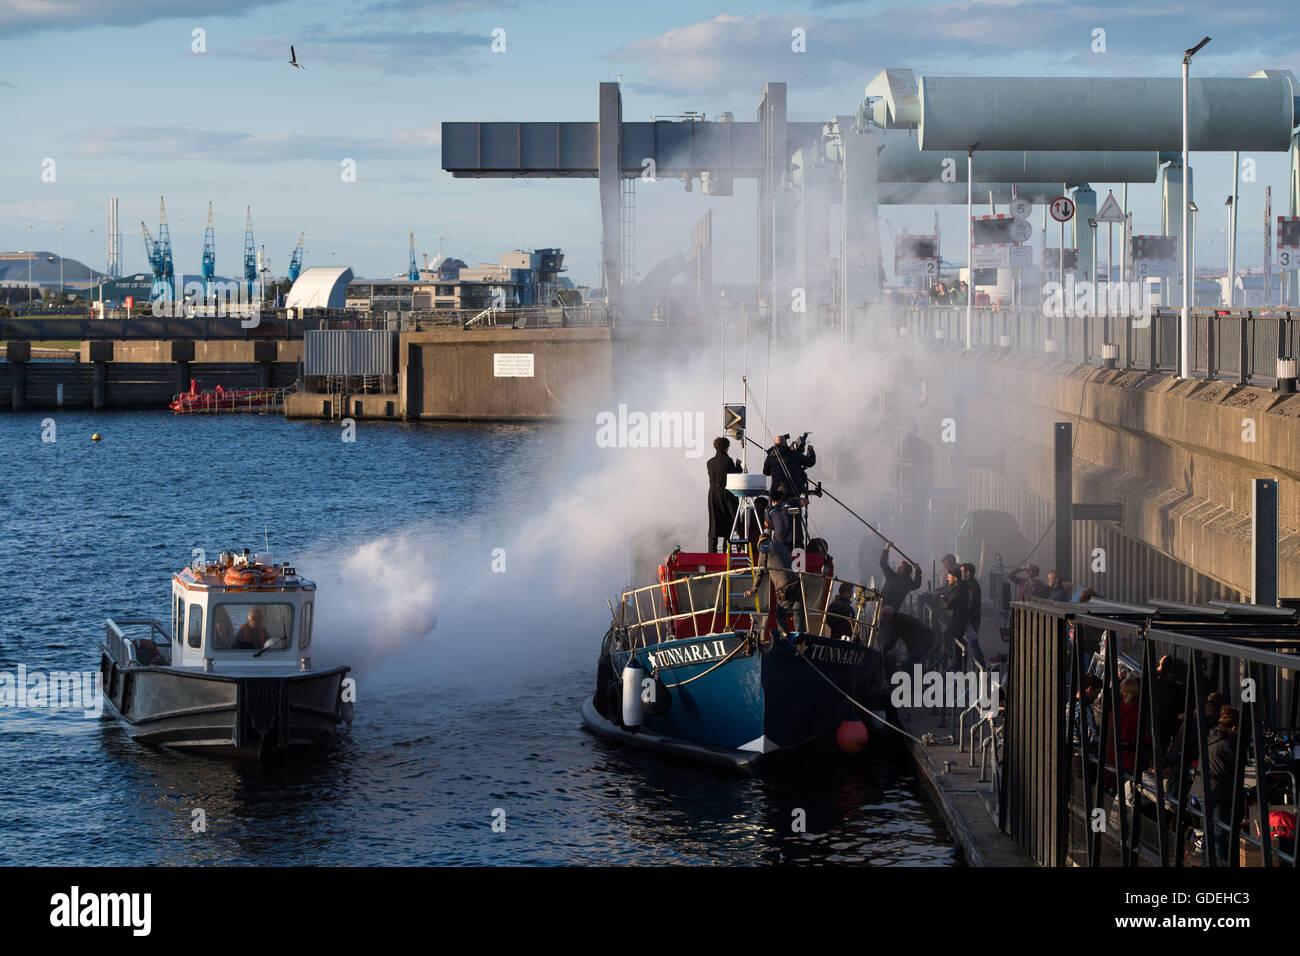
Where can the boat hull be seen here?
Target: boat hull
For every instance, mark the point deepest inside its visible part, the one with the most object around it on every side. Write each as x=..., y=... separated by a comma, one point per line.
x=230, y=715
x=737, y=705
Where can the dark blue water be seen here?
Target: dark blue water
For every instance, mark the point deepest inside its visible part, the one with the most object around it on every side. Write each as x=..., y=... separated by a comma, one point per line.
x=477, y=716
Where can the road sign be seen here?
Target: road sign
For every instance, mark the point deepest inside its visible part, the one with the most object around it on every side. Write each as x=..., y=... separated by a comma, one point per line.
x=992, y=230
x=991, y=257
x=1062, y=209
x=1022, y=257
x=1288, y=243
x=1154, y=257
x=1052, y=261
x=1021, y=230
x=1020, y=208
x=916, y=256
x=1110, y=211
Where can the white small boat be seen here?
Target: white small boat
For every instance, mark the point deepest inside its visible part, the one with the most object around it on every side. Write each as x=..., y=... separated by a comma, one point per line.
x=233, y=676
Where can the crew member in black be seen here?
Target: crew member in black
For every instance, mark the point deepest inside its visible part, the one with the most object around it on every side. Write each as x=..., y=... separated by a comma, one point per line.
x=788, y=468
x=839, y=613
x=976, y=594
x=722, y=503
x=897, y=583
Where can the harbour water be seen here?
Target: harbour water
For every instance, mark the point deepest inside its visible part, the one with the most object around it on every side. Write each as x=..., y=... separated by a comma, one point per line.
x=459, y=725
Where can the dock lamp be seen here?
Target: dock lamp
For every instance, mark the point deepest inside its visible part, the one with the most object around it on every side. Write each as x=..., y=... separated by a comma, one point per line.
x=1184, y=315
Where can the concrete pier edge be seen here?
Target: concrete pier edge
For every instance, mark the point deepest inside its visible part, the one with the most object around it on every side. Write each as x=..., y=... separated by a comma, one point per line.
x=958, y=796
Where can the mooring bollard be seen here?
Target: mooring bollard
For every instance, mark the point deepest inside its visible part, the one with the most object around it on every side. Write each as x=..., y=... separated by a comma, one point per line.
x=18, y=354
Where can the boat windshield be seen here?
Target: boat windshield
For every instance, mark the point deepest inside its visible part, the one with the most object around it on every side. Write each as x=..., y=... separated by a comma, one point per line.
x=244, y=626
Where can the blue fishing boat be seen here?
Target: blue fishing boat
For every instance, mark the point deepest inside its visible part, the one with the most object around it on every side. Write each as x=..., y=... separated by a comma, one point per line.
x=711, y=664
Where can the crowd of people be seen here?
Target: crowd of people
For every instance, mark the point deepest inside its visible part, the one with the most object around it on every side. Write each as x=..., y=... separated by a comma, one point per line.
x=943, y=294
x=1169, y=687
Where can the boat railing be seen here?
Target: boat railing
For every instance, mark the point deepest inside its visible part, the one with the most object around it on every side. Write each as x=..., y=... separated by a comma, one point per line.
x=646, y=616
x=122, y=648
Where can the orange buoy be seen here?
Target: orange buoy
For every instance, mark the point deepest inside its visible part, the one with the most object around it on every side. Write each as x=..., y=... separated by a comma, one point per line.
x=851, y=736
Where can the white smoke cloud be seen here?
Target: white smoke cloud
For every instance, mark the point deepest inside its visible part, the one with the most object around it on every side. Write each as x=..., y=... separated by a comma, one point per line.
x=432, y=605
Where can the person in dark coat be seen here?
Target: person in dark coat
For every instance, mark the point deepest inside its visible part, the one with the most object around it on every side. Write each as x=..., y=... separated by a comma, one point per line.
x=840, y=614
x=1057, y=590
x=722, y=503
x=781, y=522
x=954, y=607
x=788, y=468
x=976, y=595
x=897, y=583
x=1170, y=691
x=1221, y=749
x=912, y=632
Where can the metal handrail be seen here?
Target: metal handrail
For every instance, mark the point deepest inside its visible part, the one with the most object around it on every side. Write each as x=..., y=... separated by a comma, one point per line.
x=666, y=620
x=122, y=648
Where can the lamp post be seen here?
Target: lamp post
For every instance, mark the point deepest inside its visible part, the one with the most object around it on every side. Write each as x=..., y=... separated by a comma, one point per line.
x=1191, y=248
x=970, y=241
x=30, y=258
x=1185, y=315
x=1232, y=242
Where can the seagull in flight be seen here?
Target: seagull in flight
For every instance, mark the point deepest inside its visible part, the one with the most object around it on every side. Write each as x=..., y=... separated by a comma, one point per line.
x=293, y=59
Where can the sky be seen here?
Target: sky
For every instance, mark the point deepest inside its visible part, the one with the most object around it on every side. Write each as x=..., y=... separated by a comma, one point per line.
x=127, y=100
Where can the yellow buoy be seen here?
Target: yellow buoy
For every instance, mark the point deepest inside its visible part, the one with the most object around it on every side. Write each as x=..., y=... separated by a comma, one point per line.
x=95, y=437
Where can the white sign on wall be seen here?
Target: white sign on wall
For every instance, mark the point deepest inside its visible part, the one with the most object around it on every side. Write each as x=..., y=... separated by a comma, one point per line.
x=512, y=364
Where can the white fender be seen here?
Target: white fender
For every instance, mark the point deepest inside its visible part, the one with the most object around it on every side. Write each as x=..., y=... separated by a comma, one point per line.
x=633, y=712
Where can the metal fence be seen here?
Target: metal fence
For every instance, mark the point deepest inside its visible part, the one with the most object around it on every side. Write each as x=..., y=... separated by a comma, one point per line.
x=1094, y=772
x=1239, y=345
x=349, y=353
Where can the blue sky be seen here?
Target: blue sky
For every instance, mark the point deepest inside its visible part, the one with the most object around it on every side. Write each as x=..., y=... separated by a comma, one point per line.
x=114, y=94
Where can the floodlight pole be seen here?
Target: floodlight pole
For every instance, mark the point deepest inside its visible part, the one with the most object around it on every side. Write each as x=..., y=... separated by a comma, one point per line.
x=1185, y=314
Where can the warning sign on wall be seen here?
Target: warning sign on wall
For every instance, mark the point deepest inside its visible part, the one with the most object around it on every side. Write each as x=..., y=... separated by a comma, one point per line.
x=512, y=364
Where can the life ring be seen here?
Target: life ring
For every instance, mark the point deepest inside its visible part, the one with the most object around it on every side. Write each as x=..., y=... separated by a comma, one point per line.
x=250, y=577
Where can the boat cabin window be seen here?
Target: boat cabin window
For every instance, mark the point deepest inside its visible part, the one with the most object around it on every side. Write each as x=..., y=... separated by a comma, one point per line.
x=252, y=627
x=178, y=620
x=304, y=638
x=196, y=625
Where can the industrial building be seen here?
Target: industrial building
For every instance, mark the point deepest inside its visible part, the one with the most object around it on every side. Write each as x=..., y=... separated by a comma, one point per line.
x=524, y=279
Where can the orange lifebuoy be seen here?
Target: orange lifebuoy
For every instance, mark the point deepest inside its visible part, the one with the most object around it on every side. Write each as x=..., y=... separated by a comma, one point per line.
x=250, y=577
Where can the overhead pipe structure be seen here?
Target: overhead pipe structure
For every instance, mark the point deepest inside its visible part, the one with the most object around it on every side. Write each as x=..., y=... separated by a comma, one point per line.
x=1039, y=133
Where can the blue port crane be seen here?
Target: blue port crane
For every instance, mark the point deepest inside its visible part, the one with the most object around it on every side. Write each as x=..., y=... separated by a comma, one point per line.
x=250, y=253
x=209, y=258
x=160, y=255
x=414, y=271
x=295, y=261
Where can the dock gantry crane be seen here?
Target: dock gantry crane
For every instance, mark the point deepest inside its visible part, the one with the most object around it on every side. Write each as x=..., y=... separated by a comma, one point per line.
x=160, y=255
x=209, y=258
x=414, y=271
x=295, y=261
x=250, y=254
